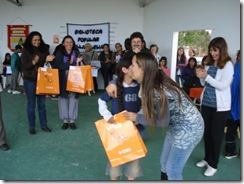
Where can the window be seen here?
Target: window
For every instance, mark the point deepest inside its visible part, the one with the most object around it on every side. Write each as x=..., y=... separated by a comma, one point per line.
x=198, y=40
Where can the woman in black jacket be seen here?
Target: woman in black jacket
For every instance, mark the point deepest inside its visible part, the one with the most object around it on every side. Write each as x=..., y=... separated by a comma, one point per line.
x=34, y=54
x=107, y=64
x=68, y=55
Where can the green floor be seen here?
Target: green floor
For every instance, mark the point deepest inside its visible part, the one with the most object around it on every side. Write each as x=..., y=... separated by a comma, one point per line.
x=79, y=154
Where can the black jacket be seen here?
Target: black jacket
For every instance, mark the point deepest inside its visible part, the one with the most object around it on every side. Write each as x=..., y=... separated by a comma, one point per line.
x=63, y=69
x=29, y=70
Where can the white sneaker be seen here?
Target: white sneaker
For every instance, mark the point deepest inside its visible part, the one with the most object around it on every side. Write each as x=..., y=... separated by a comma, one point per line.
x=210, y=171
x=9, y=91
x=16, y=92
x=202, y=163
x=230, y=156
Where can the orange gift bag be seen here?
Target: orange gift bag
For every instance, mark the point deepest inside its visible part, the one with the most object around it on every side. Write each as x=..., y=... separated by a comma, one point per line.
x=79, y=79
x=89, y=85
x=121, y=140
x=47, y=81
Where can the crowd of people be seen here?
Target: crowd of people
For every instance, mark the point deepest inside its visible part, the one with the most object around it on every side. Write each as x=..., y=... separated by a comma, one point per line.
x=155, y=98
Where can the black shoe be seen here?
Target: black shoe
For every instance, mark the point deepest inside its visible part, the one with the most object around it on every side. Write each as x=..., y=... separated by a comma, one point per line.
x=65, y=126
x=230, y=155
x=140, y=127
x=32, y=131
x=72, y=126
x=4, y=147
x=164, y=176
x=54, y=97
x=46, y=129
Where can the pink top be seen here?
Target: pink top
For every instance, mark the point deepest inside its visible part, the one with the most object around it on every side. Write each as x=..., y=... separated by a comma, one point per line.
x=166, y=71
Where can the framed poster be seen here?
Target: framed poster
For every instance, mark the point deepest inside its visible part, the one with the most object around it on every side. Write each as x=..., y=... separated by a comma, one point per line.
x=95, y=34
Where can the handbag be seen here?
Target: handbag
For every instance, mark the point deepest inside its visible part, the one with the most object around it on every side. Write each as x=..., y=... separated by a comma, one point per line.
x=47, y=81
x=89, y=85
x=121, y=140
x=80, y=79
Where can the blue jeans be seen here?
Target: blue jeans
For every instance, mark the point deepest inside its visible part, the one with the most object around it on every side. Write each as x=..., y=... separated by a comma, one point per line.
x=30, y=90
x=142, y=130
x=179, y=79
x=173, y=159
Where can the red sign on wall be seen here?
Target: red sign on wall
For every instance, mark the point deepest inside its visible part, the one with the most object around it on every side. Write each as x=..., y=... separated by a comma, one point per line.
x=17, y=35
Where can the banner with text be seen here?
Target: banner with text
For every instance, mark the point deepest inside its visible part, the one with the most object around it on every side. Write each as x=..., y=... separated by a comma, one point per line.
x=17, y=35
x=95, y=34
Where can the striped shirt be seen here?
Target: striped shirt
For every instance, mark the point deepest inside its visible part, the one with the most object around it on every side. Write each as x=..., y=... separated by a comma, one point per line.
x=209, y=96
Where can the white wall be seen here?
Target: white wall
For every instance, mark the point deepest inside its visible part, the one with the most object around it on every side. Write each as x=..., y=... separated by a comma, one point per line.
x=163, y=17
x=157, y=21
x=49, y=17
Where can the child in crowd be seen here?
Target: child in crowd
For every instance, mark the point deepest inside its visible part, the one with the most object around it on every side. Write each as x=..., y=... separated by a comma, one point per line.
x=193, y=82
x=129, y=100
x=163, y=65
x=204, y=60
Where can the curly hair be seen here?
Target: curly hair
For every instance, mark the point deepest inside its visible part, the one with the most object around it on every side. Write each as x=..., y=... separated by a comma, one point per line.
x=28, y=43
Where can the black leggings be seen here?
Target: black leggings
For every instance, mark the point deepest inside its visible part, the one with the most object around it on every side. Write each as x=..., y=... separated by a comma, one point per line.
x=213, y=135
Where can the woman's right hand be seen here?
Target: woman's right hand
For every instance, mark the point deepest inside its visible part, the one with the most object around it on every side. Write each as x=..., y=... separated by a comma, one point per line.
x=130, y=116
x=201, y=73
x=107, y=60
x=112, y=90
x=50, y=58
x=35, y=59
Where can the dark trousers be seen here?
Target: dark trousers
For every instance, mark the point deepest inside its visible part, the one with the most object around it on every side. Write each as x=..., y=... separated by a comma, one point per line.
x=107, y=73
x=95, y=83
x=30, y=90
x=2, y=129
x=231, y=135
x=213, y=134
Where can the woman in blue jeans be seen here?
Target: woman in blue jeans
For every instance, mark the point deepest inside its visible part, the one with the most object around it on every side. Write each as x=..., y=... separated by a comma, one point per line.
x=165, y=103
x=34, y=54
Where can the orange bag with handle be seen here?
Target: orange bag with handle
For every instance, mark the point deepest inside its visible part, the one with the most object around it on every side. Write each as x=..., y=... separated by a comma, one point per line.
x=79, y=79
x=121, y=140
x=89, y=85
x=47, y=81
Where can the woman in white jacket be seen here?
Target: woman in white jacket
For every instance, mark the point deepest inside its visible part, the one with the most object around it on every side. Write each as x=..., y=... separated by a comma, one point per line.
x=215, y=100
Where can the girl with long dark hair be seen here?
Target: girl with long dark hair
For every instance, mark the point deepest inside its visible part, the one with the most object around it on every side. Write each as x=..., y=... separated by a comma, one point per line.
x=127, y=100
